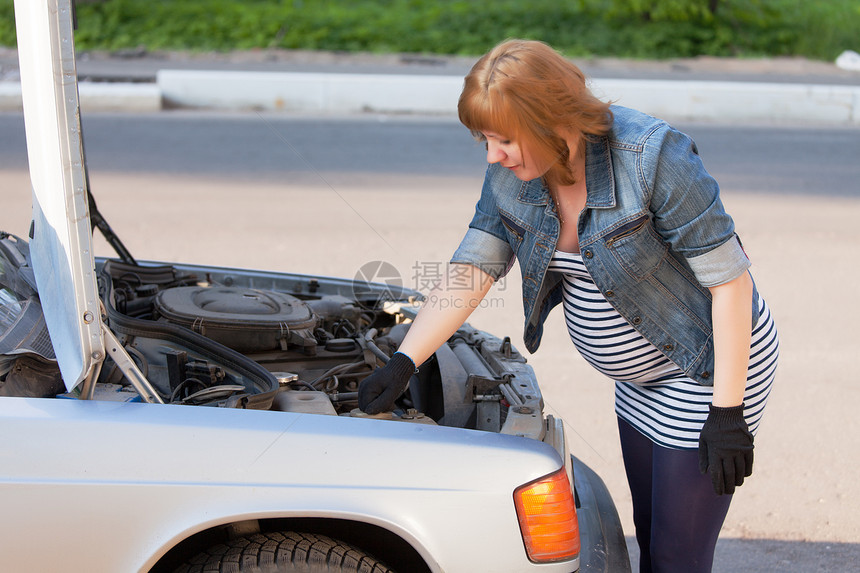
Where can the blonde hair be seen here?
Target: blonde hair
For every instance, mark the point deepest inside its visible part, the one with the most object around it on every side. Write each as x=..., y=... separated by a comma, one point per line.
x=528, y=92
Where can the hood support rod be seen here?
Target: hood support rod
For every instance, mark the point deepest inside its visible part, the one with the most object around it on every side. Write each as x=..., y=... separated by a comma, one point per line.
x=116, y=351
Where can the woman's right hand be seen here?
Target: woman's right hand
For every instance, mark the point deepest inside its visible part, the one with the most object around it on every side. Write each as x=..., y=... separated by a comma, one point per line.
x=445, y=309
x=378, y=391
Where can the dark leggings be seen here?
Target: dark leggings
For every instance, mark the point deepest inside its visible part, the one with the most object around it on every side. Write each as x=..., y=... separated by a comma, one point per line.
x=675, y=510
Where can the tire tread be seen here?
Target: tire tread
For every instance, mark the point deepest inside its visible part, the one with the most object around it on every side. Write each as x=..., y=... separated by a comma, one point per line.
x=283, y=552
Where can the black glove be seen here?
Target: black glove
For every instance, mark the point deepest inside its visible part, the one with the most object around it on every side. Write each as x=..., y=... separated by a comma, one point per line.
x=378, y=391
x=726, y=448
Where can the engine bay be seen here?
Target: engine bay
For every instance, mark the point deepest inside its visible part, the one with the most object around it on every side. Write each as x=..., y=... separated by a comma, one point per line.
x=233, y=338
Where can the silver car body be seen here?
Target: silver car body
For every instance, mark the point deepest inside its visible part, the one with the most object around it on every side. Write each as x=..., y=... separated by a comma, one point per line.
x=88, y=490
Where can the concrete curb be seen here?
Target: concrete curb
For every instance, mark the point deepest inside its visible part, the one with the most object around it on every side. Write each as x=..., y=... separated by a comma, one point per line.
x=737, y=101
x=355, y=93
x=10, y=96
x=437, y=94
x=119, y=97
x=125, y=97
x=311, y=92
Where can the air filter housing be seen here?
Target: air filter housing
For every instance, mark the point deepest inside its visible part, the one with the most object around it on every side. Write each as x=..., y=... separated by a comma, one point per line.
x=244, y=319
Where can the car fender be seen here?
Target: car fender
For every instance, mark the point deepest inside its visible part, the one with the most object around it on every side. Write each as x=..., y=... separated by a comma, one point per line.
x=106, y=460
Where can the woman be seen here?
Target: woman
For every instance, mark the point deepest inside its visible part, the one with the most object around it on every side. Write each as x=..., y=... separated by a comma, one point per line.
x=611, y=214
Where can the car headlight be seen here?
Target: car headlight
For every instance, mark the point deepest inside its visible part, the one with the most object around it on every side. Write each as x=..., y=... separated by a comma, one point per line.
x=10, y=309
x=547, y=517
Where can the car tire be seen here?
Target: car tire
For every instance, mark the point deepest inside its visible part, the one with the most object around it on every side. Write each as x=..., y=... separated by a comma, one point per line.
x=283, y=552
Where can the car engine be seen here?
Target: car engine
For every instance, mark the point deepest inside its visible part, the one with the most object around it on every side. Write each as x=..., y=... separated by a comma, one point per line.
x=235, y=338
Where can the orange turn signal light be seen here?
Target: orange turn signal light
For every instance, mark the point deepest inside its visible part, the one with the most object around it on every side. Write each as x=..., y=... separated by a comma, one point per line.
x=547, y=516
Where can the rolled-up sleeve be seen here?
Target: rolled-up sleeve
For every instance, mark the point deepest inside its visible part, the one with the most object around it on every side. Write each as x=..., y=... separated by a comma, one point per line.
x=485, y=251
x=485, y=244
x=688, y=212
x=719, y=266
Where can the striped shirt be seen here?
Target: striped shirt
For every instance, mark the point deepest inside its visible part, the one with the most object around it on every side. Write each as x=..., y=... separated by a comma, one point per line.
x=651, y=393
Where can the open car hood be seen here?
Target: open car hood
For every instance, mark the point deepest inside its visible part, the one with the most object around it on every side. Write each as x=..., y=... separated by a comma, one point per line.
x=61, y=241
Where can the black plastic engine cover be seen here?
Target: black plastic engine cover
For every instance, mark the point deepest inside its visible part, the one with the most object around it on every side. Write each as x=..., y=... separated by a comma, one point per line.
x=244, y=319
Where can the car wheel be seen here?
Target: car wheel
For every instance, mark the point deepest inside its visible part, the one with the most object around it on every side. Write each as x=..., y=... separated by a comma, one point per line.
x=283, y=552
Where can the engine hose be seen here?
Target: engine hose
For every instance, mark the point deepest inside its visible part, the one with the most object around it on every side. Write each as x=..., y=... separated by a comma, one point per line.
x=371, y=345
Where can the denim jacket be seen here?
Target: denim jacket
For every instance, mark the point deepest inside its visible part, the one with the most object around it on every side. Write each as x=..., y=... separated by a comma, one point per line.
x=653, y=235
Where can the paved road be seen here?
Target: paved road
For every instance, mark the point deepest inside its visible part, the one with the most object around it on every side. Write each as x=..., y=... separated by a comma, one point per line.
x=257, y=147
x=326, y=196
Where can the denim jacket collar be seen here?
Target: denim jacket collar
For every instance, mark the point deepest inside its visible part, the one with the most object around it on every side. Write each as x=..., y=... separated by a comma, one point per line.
x=599, y=178
x=533, y=192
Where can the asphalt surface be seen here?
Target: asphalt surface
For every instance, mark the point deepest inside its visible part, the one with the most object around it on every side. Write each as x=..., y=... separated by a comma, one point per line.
x=269, y=147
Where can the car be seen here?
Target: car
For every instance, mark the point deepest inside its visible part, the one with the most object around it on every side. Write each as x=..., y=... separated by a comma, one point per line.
x=179, y=417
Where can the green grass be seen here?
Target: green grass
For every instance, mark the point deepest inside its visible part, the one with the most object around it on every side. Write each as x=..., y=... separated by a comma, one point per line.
x=818, y=29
